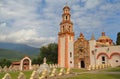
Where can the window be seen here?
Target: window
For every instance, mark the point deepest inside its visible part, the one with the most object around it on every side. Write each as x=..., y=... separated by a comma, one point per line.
x=116, y=60
x=103, y=62
x=66, y=17
x=103, y=58
x=70, y=54
x=66, y=11
x=69, y=28
x=63, y=28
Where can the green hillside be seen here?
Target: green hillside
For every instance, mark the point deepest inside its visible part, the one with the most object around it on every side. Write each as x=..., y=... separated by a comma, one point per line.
x=10, y=54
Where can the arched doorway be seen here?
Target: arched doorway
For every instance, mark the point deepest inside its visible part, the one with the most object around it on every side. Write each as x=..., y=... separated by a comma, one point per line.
x=82, y=64
x=26, y=64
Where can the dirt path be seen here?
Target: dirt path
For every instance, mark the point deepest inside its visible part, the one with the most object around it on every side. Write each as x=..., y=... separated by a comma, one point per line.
x=89, y=72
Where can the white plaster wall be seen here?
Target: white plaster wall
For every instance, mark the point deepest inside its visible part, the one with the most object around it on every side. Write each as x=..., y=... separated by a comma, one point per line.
x=114, y=49
x=99, y=60
x=109, y=51
x=114, y=59
x=92, y=44
x=70, y=49
x=62, y=52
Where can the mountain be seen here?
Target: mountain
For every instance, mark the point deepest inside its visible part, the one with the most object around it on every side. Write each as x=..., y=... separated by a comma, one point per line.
x=10, y=54
x=25, y=49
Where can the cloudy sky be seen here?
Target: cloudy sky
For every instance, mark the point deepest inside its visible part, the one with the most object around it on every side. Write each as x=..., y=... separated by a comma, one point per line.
x=36, y=22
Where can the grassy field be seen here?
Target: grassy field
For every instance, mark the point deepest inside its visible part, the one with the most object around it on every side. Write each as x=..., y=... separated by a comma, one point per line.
x=116, y=69
x=78, y=70
x=14, y=75
x=94, y=76
x=80, y=76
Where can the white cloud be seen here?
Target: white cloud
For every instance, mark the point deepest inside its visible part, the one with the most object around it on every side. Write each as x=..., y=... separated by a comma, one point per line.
x=92, y=3
x=36, y=22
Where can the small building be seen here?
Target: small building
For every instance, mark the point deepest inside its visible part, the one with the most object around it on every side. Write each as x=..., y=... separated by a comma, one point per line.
x=23, y=64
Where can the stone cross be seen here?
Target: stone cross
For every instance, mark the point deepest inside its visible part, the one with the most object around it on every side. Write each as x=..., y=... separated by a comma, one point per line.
x=44, y=60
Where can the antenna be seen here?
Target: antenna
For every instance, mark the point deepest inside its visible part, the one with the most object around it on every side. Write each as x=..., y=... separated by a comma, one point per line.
x=67, y=3
x=103, y=30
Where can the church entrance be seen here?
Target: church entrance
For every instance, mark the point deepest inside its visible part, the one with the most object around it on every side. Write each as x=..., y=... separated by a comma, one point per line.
x=82, y=64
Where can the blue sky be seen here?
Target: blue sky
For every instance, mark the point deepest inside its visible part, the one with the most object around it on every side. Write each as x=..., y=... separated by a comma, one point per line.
x=36, y=22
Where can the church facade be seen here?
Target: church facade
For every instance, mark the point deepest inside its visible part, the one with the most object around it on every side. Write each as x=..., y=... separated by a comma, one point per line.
x=81, y=53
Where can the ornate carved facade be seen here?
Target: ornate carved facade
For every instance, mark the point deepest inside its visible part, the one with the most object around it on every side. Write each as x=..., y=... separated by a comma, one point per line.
x=81, y=52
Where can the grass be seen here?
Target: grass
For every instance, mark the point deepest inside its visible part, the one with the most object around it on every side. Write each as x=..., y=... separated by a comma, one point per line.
x=78, y=70
x=101, y=75
x=95, y=76
x=14, y=75
x=116, y=69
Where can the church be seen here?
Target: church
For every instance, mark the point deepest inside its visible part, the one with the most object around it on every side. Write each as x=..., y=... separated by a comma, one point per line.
x=81, y=53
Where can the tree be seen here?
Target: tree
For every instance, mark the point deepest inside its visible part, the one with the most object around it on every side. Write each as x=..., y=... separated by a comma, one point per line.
x=50, y=52
x=118, y=39
x=5, y=62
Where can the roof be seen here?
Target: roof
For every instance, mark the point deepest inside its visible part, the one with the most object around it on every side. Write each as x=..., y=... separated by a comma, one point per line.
x=66, y=7
x=17, y=62
x=103, y=36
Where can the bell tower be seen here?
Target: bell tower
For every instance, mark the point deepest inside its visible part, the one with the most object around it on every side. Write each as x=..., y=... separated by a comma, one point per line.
x=66, y=40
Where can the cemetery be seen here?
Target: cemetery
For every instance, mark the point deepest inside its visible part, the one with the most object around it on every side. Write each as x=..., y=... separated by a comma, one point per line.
x=56, y=72
x=73, y=58
x=52, y=71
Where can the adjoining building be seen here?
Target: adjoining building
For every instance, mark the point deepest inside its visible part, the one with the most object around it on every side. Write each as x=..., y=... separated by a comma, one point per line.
x=81, y=53
x=103, y=51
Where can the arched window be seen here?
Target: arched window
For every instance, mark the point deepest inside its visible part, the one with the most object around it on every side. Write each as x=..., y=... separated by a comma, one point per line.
x=69, y=28
x=66, y=17
x=70, y=54
x=63, y=28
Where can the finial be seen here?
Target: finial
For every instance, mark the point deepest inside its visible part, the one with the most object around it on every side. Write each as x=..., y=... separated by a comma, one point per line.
x=103, y=33
x=66, y=3
x=81, y=35
x=92, y=38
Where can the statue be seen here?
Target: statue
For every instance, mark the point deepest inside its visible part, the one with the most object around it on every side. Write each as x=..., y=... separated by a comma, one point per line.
x=44, y=60
x=44, y=66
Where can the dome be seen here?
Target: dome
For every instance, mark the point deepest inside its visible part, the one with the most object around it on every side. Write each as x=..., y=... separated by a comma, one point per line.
x=104, y=40
x=103, y=36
